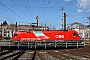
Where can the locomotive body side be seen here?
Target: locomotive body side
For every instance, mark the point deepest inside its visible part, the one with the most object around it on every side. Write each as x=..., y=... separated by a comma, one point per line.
x=46, y=35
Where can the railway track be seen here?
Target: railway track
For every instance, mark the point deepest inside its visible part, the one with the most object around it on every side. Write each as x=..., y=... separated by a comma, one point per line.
x=25, y=55
x=41, y=57
x=11, y=55
x=66, y=54
x=16, y=55
x=78, y=53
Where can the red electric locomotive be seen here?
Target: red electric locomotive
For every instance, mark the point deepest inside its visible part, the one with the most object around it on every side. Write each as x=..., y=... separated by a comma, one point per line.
x=50, y=35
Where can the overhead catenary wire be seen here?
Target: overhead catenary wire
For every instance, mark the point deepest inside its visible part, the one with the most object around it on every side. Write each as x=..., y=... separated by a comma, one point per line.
x=5, y=10
x=19, y=8
x=29, y=9
x=26, y=8
x=49, y=12
x=8, y=18
x=45, y=8
x=5, y=18
x=68, y=4
x=49, y=1
x=52, y=13
x=12, y=11
x=51, y=7
x=65, y=6
x=41, y=6
x=73, y=12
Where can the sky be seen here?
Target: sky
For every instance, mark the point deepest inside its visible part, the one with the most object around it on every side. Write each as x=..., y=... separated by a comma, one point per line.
x=48, y=11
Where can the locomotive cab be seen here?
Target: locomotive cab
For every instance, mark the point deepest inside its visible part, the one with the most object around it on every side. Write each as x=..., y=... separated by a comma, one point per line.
x=75, y=35
x=14, y=37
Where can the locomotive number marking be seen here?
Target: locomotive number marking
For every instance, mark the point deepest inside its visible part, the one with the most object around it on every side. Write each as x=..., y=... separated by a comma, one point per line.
x=59, y=36
x=30, y=39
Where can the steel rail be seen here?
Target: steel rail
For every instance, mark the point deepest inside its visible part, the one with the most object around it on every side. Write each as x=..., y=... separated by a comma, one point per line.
x=18, y=55
x=10, y=55
x=33, y=55
x=3, y=53
x=41, y=57
x=54, y=55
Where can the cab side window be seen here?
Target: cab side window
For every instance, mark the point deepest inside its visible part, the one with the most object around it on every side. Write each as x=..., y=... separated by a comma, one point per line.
x=15, y=34
x=75, y=34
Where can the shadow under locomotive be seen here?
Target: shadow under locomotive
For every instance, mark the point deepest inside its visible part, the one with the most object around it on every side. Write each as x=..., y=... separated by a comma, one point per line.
x=41, y=45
